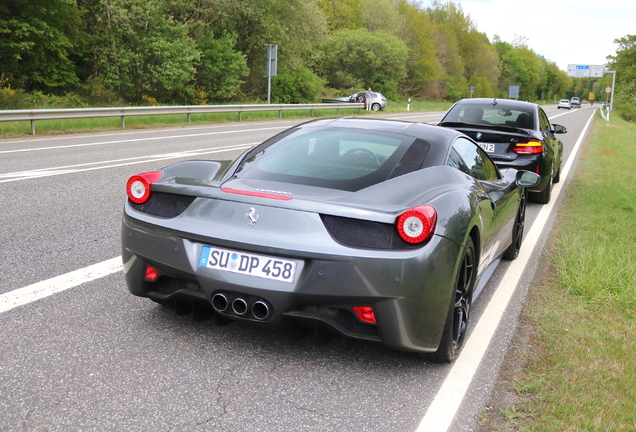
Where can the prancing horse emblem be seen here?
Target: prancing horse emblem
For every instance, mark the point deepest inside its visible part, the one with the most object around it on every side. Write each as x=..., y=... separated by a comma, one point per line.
x=251, y=217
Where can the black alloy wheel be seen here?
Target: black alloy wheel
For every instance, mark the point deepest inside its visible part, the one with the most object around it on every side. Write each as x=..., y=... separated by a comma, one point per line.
x=517, y=231
x=459, y=310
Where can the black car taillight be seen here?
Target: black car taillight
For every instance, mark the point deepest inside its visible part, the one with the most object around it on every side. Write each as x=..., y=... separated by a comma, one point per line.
x=530, y=147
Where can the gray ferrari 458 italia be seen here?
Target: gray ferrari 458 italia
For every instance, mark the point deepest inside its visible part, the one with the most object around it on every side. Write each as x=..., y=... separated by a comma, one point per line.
x=372, y=229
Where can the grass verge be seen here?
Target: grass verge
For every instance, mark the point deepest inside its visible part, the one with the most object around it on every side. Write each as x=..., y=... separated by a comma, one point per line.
x=580, y=372
x=53, y=127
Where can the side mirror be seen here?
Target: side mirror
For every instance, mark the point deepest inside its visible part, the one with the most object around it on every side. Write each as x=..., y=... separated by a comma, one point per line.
x=527, y=179
x=558, y=129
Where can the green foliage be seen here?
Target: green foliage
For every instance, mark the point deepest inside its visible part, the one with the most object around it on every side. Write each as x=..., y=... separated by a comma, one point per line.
x=624, y=63
x=37, y=40
x=296, y=86
x=358, y=58
x=10, y=99
x=626, y=101
x=379, y=15
x=341, y=14
x=581, y=367
x=456, y=88
x=211, y=51
x=140, y=50
x=221, y=66
x=423, y=67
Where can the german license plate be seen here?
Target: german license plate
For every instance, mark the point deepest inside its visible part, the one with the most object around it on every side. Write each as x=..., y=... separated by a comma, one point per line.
x=262, y=266
x=487, y=147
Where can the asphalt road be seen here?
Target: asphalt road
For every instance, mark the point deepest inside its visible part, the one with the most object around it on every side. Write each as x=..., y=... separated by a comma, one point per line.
x=93, y=357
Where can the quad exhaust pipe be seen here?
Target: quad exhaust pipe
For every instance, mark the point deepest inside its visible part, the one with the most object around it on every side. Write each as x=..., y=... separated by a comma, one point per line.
x=260, y=310
x=240, y=306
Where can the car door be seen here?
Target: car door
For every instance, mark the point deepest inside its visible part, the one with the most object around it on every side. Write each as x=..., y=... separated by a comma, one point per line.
x=552, y=143
x=495, y=199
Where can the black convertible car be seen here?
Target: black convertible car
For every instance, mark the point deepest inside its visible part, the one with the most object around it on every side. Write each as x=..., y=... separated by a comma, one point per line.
x=515, y=134
x=375, y=230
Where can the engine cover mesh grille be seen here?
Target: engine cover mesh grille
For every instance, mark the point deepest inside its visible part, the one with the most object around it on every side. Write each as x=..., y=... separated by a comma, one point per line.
x=164, y=205
x=363, y=234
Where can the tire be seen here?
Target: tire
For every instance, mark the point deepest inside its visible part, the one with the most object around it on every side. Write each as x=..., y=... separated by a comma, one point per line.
x=517, y=231
x=459, y=309
x=542, y=197
x=557, y=176
x=375, y=107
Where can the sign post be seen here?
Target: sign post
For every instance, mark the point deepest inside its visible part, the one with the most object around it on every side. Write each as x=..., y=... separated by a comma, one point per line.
x=272, y=52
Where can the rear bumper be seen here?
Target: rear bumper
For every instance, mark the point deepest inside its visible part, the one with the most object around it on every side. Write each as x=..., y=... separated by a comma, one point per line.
x=408, y=290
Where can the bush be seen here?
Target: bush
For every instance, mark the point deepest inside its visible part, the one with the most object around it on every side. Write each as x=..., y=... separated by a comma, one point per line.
x=10, y=99
x=296, y=86
x=626, y=102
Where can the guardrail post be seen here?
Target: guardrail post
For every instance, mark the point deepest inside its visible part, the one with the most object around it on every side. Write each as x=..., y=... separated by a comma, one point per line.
x=188, y=118
x=240, y=115
x=280, y=113
x=32, y=127
x=312, y=112
x=338, y=111
x=123, y=122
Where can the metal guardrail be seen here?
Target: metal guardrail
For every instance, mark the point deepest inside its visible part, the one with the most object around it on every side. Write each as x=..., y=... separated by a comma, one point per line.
x=123, y=112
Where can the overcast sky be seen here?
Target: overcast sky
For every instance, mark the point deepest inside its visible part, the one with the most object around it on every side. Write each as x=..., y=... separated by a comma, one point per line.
x=564, y=31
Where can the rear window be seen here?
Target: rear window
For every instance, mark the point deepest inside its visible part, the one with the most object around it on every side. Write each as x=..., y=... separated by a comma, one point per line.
x=337, y=158
x=498, y=115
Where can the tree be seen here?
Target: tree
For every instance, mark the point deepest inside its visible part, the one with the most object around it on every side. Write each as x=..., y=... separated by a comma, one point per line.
x=423, y=66
x=140, y=50
x=379, y=15
x=469, y=52
x=341, y=14
x=624, y=63
x=296, y=26
x=221, y=67
x=38, y=41
x=360, y=59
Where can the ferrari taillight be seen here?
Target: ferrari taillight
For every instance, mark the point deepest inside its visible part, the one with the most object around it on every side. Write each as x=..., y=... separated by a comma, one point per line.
x=138, y=186
x=530, y=147
x=417, y=224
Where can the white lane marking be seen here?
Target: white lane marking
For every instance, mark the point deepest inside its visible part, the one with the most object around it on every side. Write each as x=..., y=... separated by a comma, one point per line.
x=40, y=290
x=442, y=411
x=434, y=114
x=47, y=172
x=143, y=131
x=140, y=139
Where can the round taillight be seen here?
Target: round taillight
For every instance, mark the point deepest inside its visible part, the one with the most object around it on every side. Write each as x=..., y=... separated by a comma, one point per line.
x=138, y=186
x=417, y=224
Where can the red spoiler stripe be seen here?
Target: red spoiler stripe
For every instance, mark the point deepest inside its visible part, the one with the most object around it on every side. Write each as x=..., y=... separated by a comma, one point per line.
x=257, y=194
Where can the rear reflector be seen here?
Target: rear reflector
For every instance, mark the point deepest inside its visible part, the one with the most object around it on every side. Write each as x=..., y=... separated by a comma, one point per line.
x=365, y=313
x=151, y=273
